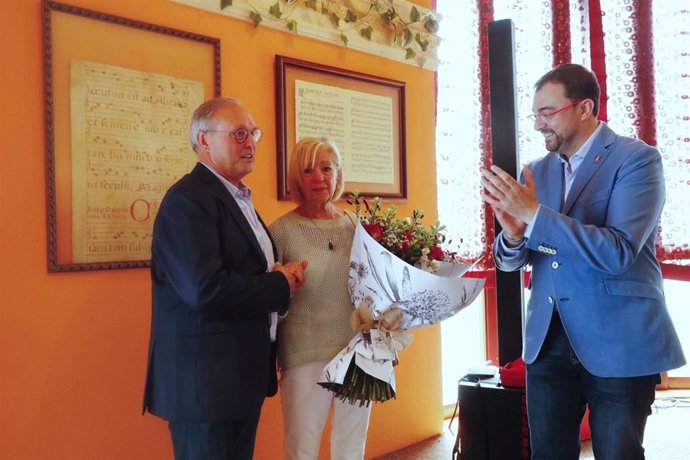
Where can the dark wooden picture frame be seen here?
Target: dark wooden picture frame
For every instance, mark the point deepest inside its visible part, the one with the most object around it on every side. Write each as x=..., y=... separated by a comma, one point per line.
x=288, y=71
x=73, y=33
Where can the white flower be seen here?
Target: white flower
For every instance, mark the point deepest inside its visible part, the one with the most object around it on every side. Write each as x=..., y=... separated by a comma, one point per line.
x=428, y=265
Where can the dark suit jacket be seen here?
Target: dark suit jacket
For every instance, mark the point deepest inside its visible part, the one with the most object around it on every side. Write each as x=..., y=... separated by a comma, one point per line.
x=594, y=258
x=210, y=356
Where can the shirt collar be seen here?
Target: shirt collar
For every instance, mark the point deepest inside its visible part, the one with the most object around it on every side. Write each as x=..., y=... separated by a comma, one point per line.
x=241, y=192
x=584, y=148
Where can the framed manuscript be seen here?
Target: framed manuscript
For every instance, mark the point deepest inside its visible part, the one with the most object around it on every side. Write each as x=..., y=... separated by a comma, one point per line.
x=119, y=96
x=363, y=114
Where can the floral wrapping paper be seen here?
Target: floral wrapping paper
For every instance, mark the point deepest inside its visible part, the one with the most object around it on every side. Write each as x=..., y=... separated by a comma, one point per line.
x=380, y=282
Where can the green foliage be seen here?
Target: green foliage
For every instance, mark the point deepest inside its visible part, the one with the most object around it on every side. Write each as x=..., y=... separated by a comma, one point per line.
x=292, y=26
x=431, y=24
x=414, y=14
x=350, y=16
x=255, y=17
x=358, y=386
x=407, y=38
x=275, y=10
x=407, y=238
x=422, y=43
x=381, y=16
x=388, y=16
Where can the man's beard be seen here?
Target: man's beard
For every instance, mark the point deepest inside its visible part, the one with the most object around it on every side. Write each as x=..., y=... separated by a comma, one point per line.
x=553, y=142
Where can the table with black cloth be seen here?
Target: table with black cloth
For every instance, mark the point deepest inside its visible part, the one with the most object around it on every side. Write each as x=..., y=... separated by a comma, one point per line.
x=493, y=420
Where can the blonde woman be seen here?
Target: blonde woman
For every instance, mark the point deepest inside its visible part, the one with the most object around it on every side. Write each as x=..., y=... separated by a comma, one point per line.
x=317, y=327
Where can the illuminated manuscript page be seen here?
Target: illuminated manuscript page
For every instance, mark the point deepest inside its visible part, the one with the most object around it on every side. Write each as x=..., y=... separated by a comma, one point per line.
x=361, y=124
x=129, y=144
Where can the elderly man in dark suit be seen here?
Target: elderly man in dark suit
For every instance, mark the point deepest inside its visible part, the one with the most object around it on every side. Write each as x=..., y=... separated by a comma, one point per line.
x=216, y=294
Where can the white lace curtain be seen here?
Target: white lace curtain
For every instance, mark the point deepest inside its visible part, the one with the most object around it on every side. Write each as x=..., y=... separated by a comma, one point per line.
x=459, y=109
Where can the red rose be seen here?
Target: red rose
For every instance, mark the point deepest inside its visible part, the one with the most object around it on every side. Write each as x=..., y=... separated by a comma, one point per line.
x=405, y=246
x=436, y=253
x=374, y=230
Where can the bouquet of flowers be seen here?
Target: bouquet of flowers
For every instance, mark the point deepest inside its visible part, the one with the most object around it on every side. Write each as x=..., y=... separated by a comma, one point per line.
x=400, y=278
x=407, y=239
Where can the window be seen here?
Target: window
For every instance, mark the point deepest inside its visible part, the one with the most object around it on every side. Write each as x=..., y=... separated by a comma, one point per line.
x=640, y=51
x=677, y=295
x=458, y=137
x=462, y=347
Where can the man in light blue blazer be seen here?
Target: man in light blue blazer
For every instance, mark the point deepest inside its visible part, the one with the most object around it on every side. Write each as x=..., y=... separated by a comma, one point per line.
x=585, y=217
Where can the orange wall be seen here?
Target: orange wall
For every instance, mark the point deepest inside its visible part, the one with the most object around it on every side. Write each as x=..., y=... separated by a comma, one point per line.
x=73, y=345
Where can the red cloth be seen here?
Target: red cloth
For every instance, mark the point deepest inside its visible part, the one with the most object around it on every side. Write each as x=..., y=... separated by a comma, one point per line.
x=513, y=374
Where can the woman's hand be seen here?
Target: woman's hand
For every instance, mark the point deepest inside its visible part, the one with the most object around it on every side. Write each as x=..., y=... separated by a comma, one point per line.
x=294, y=273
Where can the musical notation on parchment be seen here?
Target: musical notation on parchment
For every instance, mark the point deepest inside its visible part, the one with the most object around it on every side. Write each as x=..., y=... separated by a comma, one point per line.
x=361, y=124
x=129, y=144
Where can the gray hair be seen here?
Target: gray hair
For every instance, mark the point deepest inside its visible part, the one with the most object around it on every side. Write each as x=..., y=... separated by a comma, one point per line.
x=204, y=114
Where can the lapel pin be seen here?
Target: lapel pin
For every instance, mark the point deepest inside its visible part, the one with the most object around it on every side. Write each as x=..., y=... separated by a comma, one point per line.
x=597, y=158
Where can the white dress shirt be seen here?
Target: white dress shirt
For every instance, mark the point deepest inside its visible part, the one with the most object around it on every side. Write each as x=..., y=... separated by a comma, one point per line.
x=243, y=197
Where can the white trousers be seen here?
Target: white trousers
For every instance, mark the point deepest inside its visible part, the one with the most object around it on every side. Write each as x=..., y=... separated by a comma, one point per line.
x=305, y=410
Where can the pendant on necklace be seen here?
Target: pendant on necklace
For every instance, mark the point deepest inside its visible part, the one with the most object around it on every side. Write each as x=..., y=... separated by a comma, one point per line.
x=331, y=246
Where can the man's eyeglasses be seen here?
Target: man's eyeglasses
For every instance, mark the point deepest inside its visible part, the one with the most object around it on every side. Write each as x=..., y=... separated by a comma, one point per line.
x=544, y=117
x=241, y=135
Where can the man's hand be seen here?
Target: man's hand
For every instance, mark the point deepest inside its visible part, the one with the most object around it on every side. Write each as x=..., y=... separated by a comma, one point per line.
x=514, y=203
x=294, y=273
x=513, y=228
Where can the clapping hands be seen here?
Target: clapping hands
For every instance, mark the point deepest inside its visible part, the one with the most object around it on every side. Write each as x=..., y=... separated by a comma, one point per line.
x=294, y=273
x=514, y=204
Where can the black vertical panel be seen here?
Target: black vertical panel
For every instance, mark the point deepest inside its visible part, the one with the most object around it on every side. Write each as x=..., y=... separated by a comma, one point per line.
x=509, y=288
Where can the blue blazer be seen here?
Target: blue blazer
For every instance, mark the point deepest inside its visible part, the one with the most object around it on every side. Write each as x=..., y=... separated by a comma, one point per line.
x=593, y=257
x=210, y=355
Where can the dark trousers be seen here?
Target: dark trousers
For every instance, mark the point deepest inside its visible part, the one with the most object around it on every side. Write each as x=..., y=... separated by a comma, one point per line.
x=232, y=440
x=559, y=388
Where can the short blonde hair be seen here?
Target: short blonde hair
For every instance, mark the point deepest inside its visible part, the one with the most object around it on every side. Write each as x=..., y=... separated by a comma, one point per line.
x=303, y=157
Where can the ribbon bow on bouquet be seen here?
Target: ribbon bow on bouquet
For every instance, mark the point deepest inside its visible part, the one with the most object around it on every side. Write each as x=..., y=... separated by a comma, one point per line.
x=386, y=306
x=388, y=325
x=363, y=371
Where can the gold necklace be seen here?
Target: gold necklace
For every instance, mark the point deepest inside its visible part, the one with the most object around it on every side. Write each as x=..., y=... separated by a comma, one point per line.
x=331, y=246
